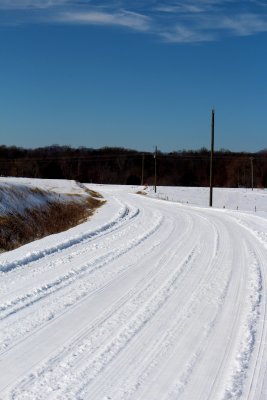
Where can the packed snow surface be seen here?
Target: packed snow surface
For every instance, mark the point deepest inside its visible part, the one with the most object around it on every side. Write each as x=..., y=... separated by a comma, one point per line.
x=153, y=298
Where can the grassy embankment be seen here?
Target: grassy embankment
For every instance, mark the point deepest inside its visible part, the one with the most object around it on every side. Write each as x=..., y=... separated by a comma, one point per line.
x=19, y=228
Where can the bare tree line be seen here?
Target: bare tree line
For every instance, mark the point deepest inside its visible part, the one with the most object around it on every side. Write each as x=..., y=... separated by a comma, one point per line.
x=124, y=166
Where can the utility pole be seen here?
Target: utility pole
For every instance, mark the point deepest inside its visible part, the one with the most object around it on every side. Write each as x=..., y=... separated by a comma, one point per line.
x=78, y=170
x=155, y=179
x=252, y=172
x=211, y=156
x=143, y=163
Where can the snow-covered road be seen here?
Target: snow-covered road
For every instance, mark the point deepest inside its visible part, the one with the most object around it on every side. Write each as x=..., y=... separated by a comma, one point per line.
x=150, y=300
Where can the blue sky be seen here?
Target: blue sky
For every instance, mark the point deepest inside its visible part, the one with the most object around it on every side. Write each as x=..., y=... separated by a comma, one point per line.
x=133, y=73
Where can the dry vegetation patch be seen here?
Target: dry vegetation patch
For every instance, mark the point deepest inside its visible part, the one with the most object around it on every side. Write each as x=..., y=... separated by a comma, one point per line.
x=141, y=192
x=93, y=193
x=56, y=216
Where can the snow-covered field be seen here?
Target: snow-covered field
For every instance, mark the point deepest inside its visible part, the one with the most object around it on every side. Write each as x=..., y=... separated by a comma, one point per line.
x=253, y=201
x=150, y=299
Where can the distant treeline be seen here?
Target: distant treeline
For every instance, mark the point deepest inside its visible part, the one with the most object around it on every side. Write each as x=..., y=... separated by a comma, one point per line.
x=124, y=166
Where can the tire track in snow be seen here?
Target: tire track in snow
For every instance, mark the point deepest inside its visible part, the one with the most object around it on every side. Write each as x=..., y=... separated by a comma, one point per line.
x=237, y=373
x=236, y=363
x=76, y=352
x=163, y=350
x=71, y=278
x=16, y=277
x=61, y=258
x=185, y=232
x=59, y=282
x=158, y=347
x=249, y=322
x=235, y=293
x=258, y=379
x=112, y=348
x=132, y=342
x=124, y=214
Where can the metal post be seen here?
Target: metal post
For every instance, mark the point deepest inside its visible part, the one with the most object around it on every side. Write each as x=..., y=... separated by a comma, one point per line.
x=155, y=179
x=211, y=157
x=252, y=173
x=142, y=176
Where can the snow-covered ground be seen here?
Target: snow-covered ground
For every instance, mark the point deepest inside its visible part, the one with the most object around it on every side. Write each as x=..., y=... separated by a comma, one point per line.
x=60, y=186
x=150, y=299
x=16, y=195
x=253, y=201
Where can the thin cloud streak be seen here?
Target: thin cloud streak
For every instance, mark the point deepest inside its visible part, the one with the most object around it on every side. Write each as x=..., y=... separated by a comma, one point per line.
x=182, y=34
x=203, y=29
x=245, y=25
x=175, y=21
x=122, y=18
x=30, y=4
x=180, y=8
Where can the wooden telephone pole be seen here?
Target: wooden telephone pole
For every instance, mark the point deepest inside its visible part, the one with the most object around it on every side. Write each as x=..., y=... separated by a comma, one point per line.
x=155, y=178
x=252, y=173
x=143, y=163
x=211, y=157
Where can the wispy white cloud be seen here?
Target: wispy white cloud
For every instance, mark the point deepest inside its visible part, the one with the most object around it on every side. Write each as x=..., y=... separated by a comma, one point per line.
x=179, y=21
x=182, y=34
x=214, y=19
x=244, y=25
x=30, y=4
x=123, y=18
x=180, y=8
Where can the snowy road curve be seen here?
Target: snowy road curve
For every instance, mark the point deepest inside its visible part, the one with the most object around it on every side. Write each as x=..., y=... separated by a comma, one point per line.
x=150, y=300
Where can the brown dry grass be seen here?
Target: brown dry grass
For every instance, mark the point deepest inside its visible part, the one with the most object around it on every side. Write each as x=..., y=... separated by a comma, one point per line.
x=93, y=193
x=35, y=223
x=142, y=193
